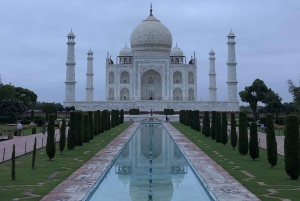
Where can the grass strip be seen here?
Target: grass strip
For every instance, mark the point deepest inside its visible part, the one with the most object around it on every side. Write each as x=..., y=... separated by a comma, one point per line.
x=34, y=184
x=272, y=178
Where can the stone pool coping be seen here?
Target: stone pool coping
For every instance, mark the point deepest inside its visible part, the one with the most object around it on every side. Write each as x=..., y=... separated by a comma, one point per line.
x=79, y=184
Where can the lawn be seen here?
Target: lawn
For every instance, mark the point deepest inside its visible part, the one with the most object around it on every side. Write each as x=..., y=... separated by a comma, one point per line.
x=273, y=178
x=34, y=184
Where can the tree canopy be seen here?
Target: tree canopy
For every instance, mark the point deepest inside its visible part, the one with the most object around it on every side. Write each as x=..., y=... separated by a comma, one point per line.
x=295, y=91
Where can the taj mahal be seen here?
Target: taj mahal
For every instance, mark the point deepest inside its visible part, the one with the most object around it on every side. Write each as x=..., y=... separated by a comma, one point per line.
x=151, y=75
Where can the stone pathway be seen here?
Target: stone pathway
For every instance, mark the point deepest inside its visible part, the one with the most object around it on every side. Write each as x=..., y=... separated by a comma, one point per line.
x=23, y=144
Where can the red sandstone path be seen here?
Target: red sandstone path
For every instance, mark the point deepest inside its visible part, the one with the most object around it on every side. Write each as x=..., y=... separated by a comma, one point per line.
x=42, y=139
x=20, y=142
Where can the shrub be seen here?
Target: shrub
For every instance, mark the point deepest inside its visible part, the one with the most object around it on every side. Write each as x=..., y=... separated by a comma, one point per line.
x=91, y=126
x=122, y=116
x=224, y=135
x=233, y=131
x=253, y=142
x=33, y=154
x=79, y=135
x=243, y=134
x=13, y=164
x=206, y=124
x=213, y=125
x=25, y=122
x=96, y=123
x=33, y=130
x=117, y=117
x=72, y=131
x=50, y=147
x=99, y=122
x=113, y=118
x=271, y=141
x=85, y=128
x=71, y=139
x=291, y=146
x=218, y=127
x=62, y=138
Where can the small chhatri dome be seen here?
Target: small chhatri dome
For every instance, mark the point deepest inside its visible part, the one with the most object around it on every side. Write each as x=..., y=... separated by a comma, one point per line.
x=231, y=33
x=90, y=51
x=176, y=52
x=125, y=52
x=151, y=35
x=71, y=34
x=211, y=51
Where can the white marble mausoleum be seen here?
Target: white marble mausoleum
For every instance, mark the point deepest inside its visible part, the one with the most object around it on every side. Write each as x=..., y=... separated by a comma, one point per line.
x=150, y=74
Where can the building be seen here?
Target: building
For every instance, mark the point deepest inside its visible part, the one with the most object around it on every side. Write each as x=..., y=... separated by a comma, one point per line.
x=152, y=75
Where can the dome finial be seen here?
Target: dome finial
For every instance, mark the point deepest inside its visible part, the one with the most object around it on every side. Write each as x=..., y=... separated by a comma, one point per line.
x=176, y=44
x=151, y=9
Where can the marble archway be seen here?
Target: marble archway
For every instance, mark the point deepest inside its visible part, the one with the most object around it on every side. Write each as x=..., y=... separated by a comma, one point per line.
x=151, y=85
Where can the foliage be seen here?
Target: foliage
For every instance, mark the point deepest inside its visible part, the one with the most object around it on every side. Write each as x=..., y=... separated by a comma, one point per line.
x=291, y=146
x=117, y=117
x=33, y=154
x=32, y=115
x=134, y=111
x=50, y=147
x=243, y=134
x=273, y=102
x=295, y=91
x=233, y=131
x=96, y=122
x=68, y=109
x=79, y=134
x=12, y=107
x=85, y=128
x=122, y=116
x=72, y=131
x=253, y=94
x=13, y=164
x=62, y=138
x=48, y=108
x=99, y=122
x=113, y=118
x=213, y=125
x=218, y=127
x=271, y=141
x=289, y=108
x=7, y=91
x=206, y=124
x=91, y=124
x=197, y=123
x=253, y=142
x=26, y=96
x=168, y=112
x=279, y=121
x=33, y=130
x=224, y=135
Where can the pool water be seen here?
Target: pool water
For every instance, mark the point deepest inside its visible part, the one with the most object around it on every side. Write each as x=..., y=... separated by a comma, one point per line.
x=150, y=167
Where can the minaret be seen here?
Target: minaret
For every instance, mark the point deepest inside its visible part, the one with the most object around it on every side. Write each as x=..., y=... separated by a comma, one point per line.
x=231, y=68
x=89, y=76
x=212, y=77
x=70, y=76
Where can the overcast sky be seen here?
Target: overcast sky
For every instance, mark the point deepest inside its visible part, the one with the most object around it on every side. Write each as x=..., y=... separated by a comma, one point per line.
x=33, y=40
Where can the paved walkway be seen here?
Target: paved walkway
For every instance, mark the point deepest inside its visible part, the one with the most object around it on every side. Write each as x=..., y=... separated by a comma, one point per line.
x=23, y=144
x=279, y=139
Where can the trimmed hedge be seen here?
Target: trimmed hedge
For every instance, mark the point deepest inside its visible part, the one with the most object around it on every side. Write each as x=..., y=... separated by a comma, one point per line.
x=253, y=142
x=91, y=126
x=206, y=124
x=85, y=128
x=271, y=141
x=79, y=135
x=233, y=131
x=243, y=134
x=224, y=135
x=50, y=147
x=218, y=127
x=213, y=125
x=62, y=138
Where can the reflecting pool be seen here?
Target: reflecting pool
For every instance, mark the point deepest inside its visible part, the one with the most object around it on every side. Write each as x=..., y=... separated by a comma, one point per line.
x=150, y=167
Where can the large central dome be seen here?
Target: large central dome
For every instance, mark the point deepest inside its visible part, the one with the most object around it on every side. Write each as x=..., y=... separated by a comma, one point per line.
x=151, y=35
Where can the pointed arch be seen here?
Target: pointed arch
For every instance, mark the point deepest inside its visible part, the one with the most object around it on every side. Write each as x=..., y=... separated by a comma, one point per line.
x=177, y=94
x=111, y=78
x=111, y=94
x=191, y=78
x=177, y=78
x=191, y=94
x=124, y=77
x=124, y=94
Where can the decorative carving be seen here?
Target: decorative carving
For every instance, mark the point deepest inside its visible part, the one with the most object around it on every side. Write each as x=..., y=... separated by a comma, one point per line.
x=145, y=68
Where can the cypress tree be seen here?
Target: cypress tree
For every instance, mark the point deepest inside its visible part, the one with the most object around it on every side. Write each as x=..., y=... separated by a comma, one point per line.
x=62, y=138
x=91, y=126
x=224, y=135
x=118, y=117
x=291, y=146
x=50, y=147
x=186, y=118
x=73, y=128
x=113, y=118
x=99, y=122
x=243, y=134
x=108, y=120
x=96, y=121
x=13, y=164
x=233, y=131
x=122, y=116
x=32, y=115
x=104, y=120
x=213, y=125
x=271, y=141
x=55, y=115
x=79, y=139
x=197, y=120
x=253, y=141
x=33, y=154
x=71, y=139
x=218, y=127
x=206, y=124
x=85, y=128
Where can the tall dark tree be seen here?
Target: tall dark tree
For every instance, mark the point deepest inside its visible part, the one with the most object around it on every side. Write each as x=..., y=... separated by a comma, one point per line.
x=243, y=134
x=108, y=120
x=253, y=94
x=50, y=147
x=122, y=116
x=291, y=146
x=218, y=127
x=99, y=122
x=295, y=91
x=224, y=135
x=91, y=124
x=72, y=131
x=85, y=128
x=62, y=138
x=233, y=131
x=79, y=135
x=13, y=164
x=197, y=121
x=113, y=118
x=96, y=121
x=206, y=124
x=48, y=108
x=271, y=141
x=117, y=117
x=253, y=142
x=32, y=115
x=213, y=125
x=33, y=154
